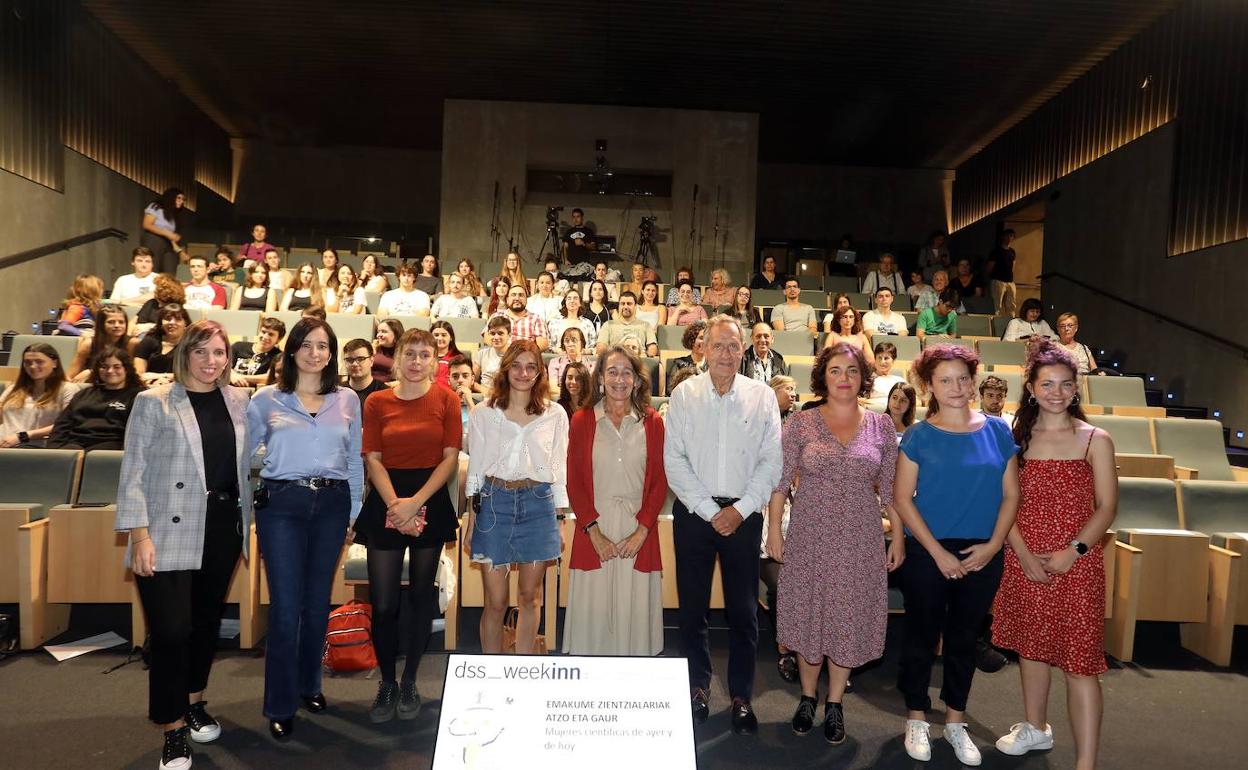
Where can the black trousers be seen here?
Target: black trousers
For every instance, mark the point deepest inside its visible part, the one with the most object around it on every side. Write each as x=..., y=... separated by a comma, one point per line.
x=385, y=576
x=936, y=606
x=183, y=609
x=697, y=545
x=164, y=258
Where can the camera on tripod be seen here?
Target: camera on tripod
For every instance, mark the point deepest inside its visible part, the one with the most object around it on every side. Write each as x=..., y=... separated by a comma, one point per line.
x=646, y=226
x=552, y=216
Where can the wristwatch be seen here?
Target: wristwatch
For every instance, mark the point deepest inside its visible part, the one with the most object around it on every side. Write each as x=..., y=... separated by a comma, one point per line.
x=23, y=437
x=1080, y=548
x=589, y=526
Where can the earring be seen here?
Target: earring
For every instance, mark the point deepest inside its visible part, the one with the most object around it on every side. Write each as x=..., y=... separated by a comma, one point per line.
x=1031, y=400
x=1075, y=401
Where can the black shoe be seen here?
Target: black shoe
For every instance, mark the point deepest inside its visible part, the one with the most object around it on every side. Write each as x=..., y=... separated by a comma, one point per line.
x=833, y=723
x=203, y=728
x=988, y=658
x=787, y=666
x=743, y=720
x=804, y=719
x=409, y=700
x=384, y=704
x=315, y=703
x=282, y=729
x=700, y=708
x=177, y=752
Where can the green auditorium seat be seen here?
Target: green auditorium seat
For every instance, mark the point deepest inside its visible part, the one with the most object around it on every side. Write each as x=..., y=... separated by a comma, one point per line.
x=800, y=372
x=32, y=481
x=1220, y=509
x=669, y=337
x=995, y=352
x=238, y=324
x=1116, y=391
x=907, y=347
x=1195, y=444
x=66, y=346
x=972, y=325
x=471, y=329
x=793, y=342
x=101, y=471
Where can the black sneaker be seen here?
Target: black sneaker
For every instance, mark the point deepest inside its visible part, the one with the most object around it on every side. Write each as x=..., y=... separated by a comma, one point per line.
x=833, y=723
x=204, y=729
x=177, y=752
x=988, y=658
x=384, y=704
x=804, y=718
x=409, y=701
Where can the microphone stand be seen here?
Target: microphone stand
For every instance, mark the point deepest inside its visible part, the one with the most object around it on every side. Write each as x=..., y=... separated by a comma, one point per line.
x=693, y=225
x=495, y=233
x=716, y=226
x=515, y=218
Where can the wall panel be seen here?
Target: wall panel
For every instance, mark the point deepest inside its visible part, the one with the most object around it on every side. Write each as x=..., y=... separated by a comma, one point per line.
x=32, y=71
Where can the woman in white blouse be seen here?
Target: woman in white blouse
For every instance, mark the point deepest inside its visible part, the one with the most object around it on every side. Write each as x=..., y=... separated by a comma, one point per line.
x=1029, y=323
x=30, y=406
x=349, y=296
x=517, y=463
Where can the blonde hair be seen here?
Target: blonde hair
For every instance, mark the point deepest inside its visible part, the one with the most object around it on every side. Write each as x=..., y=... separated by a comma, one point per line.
x=722, y=273
x=197, y=335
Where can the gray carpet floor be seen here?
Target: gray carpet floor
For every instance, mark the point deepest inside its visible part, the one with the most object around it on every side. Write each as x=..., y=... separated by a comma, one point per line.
x=1167, y=710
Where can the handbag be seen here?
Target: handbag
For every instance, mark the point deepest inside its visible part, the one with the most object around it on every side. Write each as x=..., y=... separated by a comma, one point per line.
x=509, y=634
x=349, y=639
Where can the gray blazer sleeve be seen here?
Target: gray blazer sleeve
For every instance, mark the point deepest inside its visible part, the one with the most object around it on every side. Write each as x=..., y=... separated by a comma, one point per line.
x=141, y=432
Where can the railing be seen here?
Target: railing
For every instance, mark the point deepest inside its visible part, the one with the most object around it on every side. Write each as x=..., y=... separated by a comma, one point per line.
x=1242, y=349
x=68, y=243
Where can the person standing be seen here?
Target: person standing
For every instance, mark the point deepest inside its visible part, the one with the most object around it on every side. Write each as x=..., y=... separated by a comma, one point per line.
x=1051, y=606
x=617, y=486
x=311, y=484
x=578, y=240
x=412, y=435
x=184, y=499
x=1000, y=269
x=161, y=220
x=957, y=492
x=832, y=601
x=719, y=494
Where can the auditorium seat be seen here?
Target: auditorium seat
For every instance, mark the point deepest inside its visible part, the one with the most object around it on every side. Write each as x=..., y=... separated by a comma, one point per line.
x=907, y=347
x=940, y=339
x=669, y=337
x=901, y=302
x=33, y=481
x=1218, y=509
x=859, y=302
x=348, y=326
x=66, y=346
x=793, y=342
x=101, y=472
x=1195, y=445
x=413, y=321
x=238, y=324
x=973, y=325
x=979, y=305
x=373, y=300
x=810, y=282
x=767, y=297
x=288, y=318
x=182, y=273
x=654, y=367
x=1134, y=450
x=1116, y=391
x=813, y=298
x=471, y=329
x=298, y=255
x=840, y=284
x=999, y=351
x=800, y=372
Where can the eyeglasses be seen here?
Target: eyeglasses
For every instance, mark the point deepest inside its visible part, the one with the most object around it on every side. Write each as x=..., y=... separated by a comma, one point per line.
x=356, y=359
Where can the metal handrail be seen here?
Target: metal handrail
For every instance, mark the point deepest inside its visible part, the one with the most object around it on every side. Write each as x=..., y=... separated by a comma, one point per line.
x=68, y=243
x=1243, y=349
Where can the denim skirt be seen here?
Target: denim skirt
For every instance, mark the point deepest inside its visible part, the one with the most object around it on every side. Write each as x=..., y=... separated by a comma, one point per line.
x=515, y=526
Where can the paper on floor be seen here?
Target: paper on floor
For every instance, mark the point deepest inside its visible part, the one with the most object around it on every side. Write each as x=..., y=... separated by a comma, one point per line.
x=63, y=652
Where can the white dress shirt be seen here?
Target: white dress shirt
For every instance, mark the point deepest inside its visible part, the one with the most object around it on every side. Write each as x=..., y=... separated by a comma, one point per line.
x=722, y=446
x=500, y=448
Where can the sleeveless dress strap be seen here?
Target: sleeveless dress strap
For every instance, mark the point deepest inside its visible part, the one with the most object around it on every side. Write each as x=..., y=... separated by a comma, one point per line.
x=1088, y=448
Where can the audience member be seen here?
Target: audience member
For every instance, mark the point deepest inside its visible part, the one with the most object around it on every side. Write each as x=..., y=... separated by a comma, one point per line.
x=389, y=330
x=456, y=302
x=357, y=355
x=694, y=340
x=251, y=253
x=847, y=328
x=255, y=293
x=222, y=267
x=306, y=291
x=429, y=279
x=833, y=592
x=934, y=254
x=168, y=292
x=639, y=277
x=742, y=309
x=882, y=383
x=1067, y=328
x=720, y=292
x=794, y=314
x=886, y=275
x=251, y=362
x=901, y=407
x=578, y=240
x=941, y=319
x=161, y=220
x=153, y=356
x=627, y=324
x=760, y=362
x=551, y=265
x=487, y=358
x=599, y=309
x=1029, y=323
x=185, y=537
x=461, y=386
x=1000, y=269
x=648, y=307
x=137, y=287
x=473, y=287
x=95, y=418
x=957, y=493
x=685, y=311
x=405, y=300
x=524, y=325
x=767, y=276
x=327, y=273
x=373, y=276
x=570, y=317
x=498, y=297
x=572, y=343
x=412, y=436
x=718, y=493
x=202, y=293
x=513, y=271
x=545, y=303
x=110, y=330
x=785, y=388
x=1051, y=605
x=314, y=311
x=617, y=486
x=81, y=305
x=280, y=279
x=840, y=300
x=966, y=281
x=573, y=388
x=310, y=487
x=940, y=282
x=921, y=294
x=673, y=293
x=348, y=296
x=517, y=463
x=882, y=319
x=31, y=405
x=444, y=349
x=992, y=394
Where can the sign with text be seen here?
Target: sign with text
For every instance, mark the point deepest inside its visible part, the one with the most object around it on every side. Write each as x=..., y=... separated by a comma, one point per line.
x=512, y=711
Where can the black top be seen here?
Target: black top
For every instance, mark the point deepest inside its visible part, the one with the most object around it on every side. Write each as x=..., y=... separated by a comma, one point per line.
x=578, y=253
x=216, y=433
x=254, y=303
x=1002, y=259
x=597, y=319
x=759, y=281
x=94, y=416
x=371, y=387
x=244, y=359
x=149, y=313
x=300, y=303
x=149, y=350
x=967, y=290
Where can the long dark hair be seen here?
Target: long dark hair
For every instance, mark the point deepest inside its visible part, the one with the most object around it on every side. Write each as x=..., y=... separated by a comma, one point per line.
x=99, y=341
x=24, y=384
x=565, y=398
x=168, y=204
x=289, y=377
x=451, y=349
x=1045, y=352
x=133, y=380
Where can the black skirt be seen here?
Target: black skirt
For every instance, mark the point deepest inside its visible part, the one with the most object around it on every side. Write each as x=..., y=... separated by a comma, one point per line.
x=440, y=522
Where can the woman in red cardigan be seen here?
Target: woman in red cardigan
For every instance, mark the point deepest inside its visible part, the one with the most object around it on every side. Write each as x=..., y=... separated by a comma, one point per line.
x=616, y=486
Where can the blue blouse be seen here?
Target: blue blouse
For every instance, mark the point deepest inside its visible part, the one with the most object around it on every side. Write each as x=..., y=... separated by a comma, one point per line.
x=959, y=487
x=298, y=445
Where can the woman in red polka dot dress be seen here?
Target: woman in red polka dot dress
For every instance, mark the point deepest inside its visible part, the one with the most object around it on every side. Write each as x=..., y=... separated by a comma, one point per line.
x=1050, y=608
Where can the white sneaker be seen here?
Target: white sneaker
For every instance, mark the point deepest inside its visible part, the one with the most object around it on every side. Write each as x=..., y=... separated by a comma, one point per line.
x=963, y=747
x=918, y=740
x=1025, y=737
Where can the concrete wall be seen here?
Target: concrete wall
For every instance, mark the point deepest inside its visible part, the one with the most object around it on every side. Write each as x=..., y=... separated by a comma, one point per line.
x=485, y=142
x=32, y=215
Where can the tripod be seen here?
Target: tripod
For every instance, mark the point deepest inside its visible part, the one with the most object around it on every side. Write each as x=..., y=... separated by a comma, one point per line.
x=552, y=237
x=645, y=246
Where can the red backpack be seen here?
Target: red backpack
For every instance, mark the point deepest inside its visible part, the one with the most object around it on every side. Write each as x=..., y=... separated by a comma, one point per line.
x=349, y=638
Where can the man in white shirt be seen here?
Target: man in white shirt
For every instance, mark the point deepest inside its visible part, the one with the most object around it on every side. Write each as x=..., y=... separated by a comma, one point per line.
x=545, y=303
x=137, y=287
x=793, y=314
x=887, y=275
x=405, y=300
x=455, y=304
x=722, y=457
x=882, y=320
x=202, y=293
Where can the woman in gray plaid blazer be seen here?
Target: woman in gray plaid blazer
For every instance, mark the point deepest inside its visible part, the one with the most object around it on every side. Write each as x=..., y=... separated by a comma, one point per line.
x=185, y=500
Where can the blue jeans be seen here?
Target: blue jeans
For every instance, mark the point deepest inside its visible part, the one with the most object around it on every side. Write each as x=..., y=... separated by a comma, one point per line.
x=301, y=533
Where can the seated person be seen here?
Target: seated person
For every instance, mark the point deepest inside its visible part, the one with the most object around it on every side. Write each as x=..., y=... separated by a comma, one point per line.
x=886, y=275
x=31, y=405
x=793, y=314
x=993, y=392
x=455, y=303
x=760, y=362
x=767, y=277
x=921, y=293
x=357, y=355
x=685, y=311
x=96, y=416
x=81, y=305
x=405, y=300
x=486, y=359
x=966, y=282
x=251, y=361
x=885, y=355
x=254, y=252
x=882, y=320
x=572, y=343
x=545, y=303
x=551, y=265
x=460, y=378
x=137, y=287
x=153, y=356
x=942, y=319
x=201, y=293
x=673, y=295
x=694, y=340
x=627, y=324
x=1029, y=323
x=168, y=291
x=721, y=290
x=429, y=280
x=222, y=268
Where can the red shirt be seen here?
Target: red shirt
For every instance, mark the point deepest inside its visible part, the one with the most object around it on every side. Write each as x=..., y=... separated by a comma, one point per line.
x=412, y=434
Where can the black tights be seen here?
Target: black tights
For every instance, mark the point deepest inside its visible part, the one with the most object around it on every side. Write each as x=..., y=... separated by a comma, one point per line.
x=385, y=575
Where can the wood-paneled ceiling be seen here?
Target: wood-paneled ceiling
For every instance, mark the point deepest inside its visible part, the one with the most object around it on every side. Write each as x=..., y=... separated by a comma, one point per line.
x=902, y=83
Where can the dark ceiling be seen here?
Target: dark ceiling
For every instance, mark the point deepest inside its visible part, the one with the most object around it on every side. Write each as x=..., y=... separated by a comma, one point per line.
x=902, y=83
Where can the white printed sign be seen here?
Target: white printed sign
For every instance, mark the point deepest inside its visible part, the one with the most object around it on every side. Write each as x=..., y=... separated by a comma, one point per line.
x=512, y=711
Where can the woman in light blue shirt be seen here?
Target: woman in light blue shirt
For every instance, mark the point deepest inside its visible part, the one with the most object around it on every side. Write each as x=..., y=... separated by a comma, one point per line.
x=311, y=485
x=160, y=230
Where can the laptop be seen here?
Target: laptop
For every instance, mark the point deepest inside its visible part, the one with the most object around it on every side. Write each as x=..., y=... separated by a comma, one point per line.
x=845, y=257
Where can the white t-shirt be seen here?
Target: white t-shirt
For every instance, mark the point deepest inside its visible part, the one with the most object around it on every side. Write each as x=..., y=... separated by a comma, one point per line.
x=882, y=385
x=27, y=416
x=875, y=323
x=488, y=360
x=128, y=287
x=399, y=302
x=546, y=307
x=447, y=306
x=200, y=296
x=347, y=302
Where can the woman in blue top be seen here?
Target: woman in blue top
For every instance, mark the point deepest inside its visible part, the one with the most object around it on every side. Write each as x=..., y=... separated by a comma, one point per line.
x=311, y=485
x=161, y=220
x=956, y=490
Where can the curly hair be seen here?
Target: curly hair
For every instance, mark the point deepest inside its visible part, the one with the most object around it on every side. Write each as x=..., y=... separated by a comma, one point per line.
x=836, y=320
x=691, y=333
x=1043, y=353
x=819, y=372
x=924, y=366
